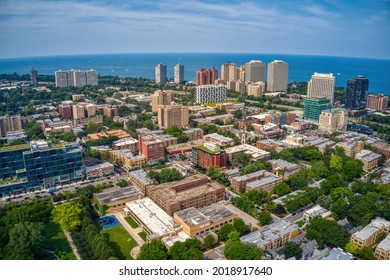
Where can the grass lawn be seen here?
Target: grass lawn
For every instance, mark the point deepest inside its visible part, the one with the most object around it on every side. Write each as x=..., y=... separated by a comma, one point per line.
x=214, y=104
x=121, y=242
x=56, y=241
x=131, y=222
x=143, y=235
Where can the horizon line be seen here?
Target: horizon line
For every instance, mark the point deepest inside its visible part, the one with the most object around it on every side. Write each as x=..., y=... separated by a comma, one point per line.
x=201, y=52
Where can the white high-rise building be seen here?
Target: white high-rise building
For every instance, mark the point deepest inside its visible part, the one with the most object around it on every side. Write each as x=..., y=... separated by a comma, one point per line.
x=92, y=77
x=210, y=93
x=179, y=73
x=61, y=78
x=277, y=76
x=161, y=73
x=332, y=120
x=254, y=71
x=77, y=78
x=321, y=85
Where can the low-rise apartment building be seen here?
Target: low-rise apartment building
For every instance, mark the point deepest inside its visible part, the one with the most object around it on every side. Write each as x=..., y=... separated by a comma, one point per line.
x=368, y=236
x=259, y=180
x=369, y=159
x=272, y=236
x=209, y=218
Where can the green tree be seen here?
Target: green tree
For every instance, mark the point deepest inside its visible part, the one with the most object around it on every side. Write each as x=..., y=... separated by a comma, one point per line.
x=352, y=169
x=224, y=231
x=154, y=250
x=68, y=215
x=25, y=241
x=337, y=193
x=234, y=236
x=336, y=163
x=209, y=241
x=351, y=247
x=324, y=201
x=292, y=249
x=264, y=218
x=242, y=251
x=242, y=159
x=193, y=254
x=240, y=226
x=282, y=188
x=319, y=169
x=365, y=253
x=339, y=209
x=327, y=232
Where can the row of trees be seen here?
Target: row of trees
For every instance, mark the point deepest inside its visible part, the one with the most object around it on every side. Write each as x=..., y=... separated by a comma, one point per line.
x=166, y=175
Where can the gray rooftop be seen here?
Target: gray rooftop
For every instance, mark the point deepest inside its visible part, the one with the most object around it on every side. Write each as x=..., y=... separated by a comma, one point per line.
x=116, y=194
x=141, y=176
x=270, y=232
x=385, y=244
x=213, y=213
x=338, y=254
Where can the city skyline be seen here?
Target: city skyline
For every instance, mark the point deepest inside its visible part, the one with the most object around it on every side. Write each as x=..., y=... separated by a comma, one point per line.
x=102, y=27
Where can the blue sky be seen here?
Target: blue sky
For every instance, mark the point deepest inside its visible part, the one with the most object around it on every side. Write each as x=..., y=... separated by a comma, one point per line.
x=322, y=27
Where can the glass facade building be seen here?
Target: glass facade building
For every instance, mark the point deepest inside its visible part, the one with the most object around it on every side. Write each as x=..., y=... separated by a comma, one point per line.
x=45, y=165
x=313, y=108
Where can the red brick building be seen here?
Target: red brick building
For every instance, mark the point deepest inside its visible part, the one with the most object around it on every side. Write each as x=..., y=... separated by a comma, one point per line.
x=208, y=155
x=110, y=111
x=206, y=76
x=151, y=149
x=65, y=109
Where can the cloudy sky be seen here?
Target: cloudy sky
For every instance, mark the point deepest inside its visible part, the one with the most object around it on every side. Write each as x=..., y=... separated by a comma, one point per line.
x=319, y=27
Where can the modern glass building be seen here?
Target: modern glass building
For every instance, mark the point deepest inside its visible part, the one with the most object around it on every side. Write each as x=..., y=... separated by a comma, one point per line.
x=313, y=108
x=44, y=165
x=11, y=159
x=356, y=93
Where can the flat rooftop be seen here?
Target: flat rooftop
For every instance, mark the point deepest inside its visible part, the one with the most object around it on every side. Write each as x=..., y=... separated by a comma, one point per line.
x=385, y=244
x=371, y=228
x=219, y=138
x=141, y=176
x=170, y=240
x=99, y=165
x=270, y=232
x=214, y=213
x=167, y=191
x=153, y=217
x=263, y=181
x=117, y=194
x=338, y=254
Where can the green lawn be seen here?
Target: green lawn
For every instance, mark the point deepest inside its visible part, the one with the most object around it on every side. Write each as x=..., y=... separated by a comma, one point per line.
x=121, y=242
x=214, y=104
x=131, y=222
x=143, y=235
x=56, y=241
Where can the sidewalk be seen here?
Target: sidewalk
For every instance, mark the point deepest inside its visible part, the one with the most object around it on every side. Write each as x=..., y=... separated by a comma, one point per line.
x=132, y=231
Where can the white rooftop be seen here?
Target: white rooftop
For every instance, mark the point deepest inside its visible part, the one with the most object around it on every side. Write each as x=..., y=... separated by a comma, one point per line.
x=153, y=217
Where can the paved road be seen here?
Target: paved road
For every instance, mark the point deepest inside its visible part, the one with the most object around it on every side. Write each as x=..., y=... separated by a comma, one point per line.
x=248, y=219
x=71, y=187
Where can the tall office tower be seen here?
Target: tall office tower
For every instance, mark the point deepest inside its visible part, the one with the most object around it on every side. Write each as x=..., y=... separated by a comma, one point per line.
x=79, y=78
x=34, y=77
x=229, y=72
x=277, y=76
x=161, y=97
x=356, y=93
x=179, y=73
x=210, y=93
x=321, y=85
x=206, y=76
x=377, y=102
x=231, y=85
x=169, y=115
x=61, y=78
x=92, y=77
x=10, y=123
x=332, y=120
x=313, y=108
x=254, y=71
x=161, y=73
